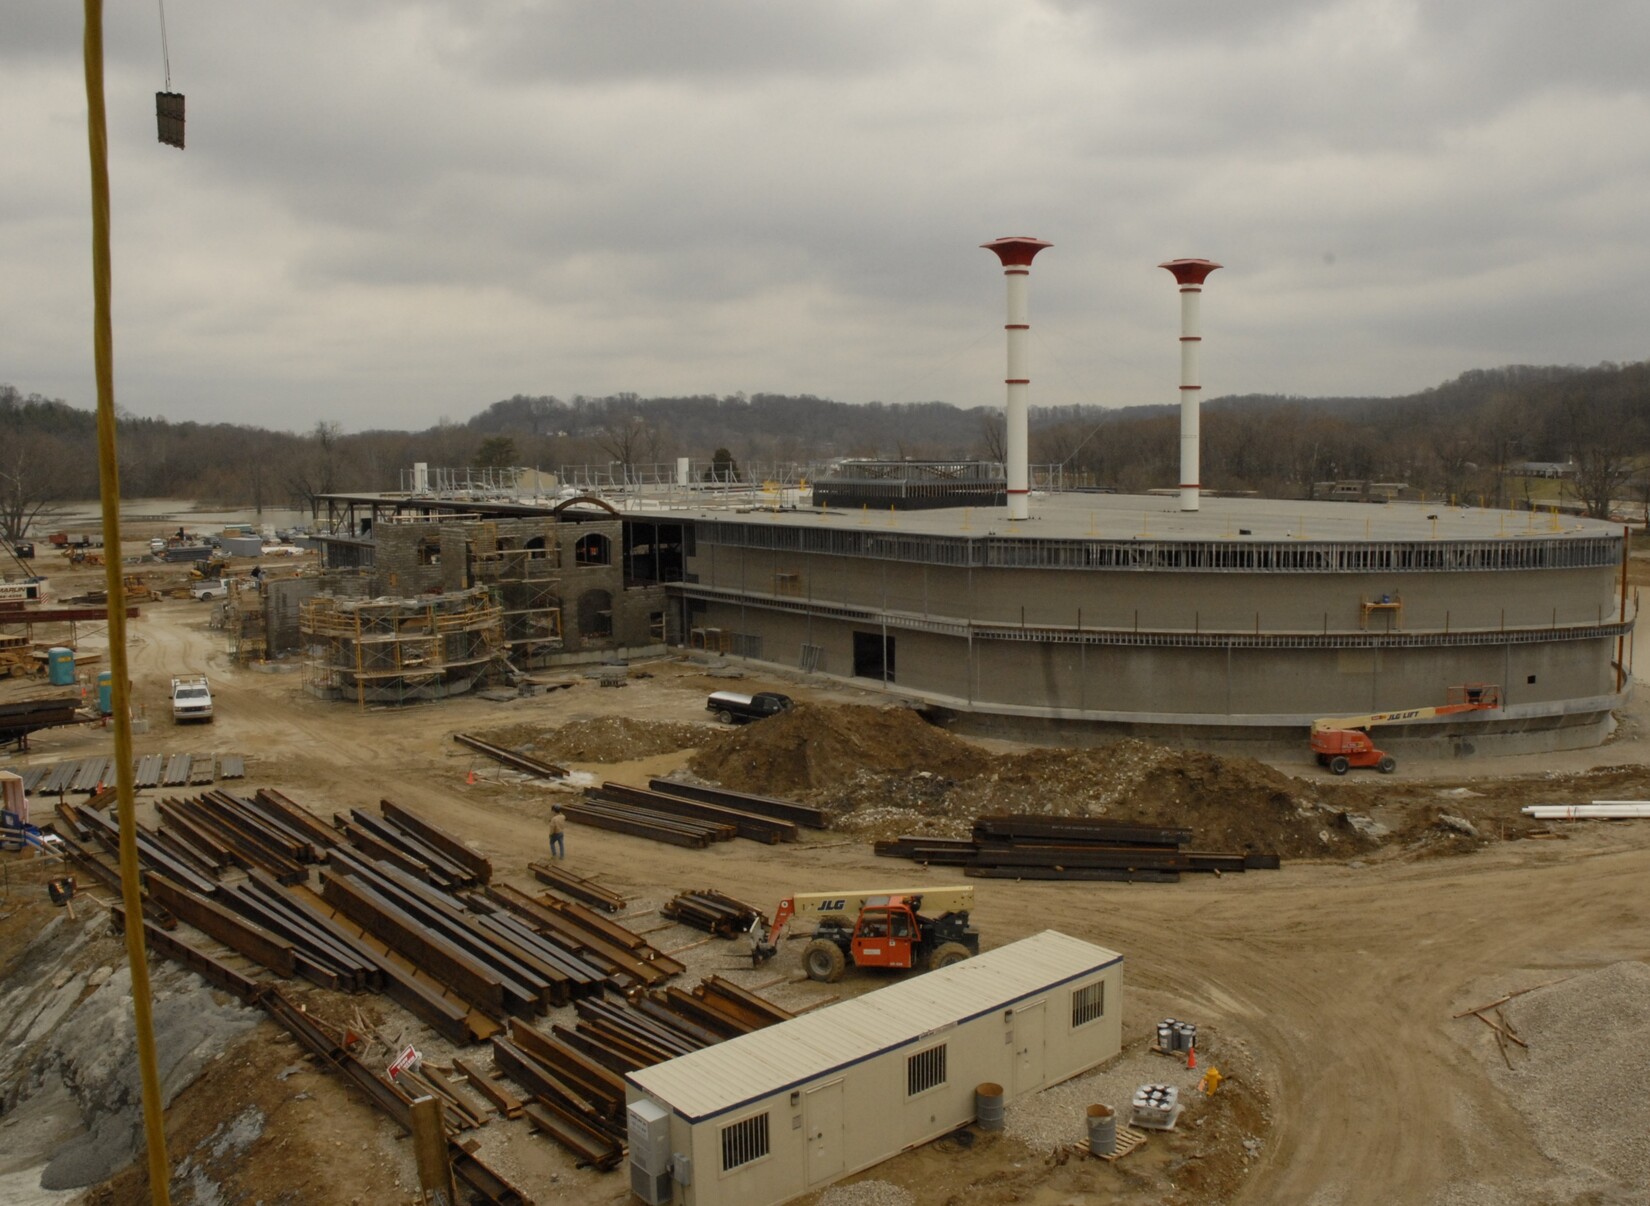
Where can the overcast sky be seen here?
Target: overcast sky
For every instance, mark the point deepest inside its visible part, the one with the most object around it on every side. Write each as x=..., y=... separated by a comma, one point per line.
x=390, y=213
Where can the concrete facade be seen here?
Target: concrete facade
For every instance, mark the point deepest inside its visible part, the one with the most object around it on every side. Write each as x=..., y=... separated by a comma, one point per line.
x=1244, y=621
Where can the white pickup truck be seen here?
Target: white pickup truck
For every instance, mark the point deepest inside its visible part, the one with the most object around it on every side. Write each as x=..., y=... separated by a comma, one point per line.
x=212, y=588
x=191, y=699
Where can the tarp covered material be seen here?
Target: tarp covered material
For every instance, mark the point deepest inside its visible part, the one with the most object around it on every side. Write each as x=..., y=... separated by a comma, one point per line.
x=12, y=796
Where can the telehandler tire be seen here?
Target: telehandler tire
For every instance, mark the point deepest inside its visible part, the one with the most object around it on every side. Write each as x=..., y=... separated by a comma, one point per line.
x=947, y=953
x=1338, y=765
x=1387, y=764
x=824, y=961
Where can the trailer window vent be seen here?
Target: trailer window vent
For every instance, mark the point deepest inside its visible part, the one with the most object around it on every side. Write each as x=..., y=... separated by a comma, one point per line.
x=1088, y=1004
x=925, y=1070
x=744, y=1141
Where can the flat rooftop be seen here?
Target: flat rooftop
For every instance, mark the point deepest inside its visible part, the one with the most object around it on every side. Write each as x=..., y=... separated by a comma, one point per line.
x=1074, y=516
x=1154, y=517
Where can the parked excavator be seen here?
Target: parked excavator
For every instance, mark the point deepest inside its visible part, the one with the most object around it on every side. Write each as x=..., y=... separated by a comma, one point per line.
x=1343, y=742
x=876, y=927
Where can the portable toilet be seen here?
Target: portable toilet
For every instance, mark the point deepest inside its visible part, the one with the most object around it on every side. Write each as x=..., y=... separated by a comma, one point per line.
x=106, y=693
x=60, y=666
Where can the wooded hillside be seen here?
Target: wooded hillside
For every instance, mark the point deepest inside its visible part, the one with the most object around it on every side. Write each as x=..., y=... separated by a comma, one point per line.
x=1455, y=439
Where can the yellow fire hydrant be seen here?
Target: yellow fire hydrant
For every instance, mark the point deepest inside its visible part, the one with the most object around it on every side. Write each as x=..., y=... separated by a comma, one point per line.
x=1210, y=1082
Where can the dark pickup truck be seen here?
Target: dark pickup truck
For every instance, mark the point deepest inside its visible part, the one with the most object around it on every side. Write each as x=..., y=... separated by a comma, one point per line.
x=732, y=708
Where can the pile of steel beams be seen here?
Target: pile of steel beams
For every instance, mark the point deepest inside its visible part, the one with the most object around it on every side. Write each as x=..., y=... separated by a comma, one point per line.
x=1087, y=848
x=599, y=813
x=668, y=814
x=514, y=759
x=579, y=887
x=709, y=910
x=576, y=1074
x=90, y=775
x=762, y=806
x=424, y=925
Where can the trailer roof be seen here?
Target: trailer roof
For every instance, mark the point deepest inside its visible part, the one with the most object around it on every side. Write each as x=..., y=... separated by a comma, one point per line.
x=768, y=1061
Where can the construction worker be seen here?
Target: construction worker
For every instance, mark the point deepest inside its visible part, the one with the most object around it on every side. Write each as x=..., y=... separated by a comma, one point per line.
x=558, y=832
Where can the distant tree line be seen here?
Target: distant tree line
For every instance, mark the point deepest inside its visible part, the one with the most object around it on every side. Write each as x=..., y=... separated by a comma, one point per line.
x=1457, y=439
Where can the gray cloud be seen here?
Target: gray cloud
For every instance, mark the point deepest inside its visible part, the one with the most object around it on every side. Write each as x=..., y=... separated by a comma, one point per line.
x=391, y=212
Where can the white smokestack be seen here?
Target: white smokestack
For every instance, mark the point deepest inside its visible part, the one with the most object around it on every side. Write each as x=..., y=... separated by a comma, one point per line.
x=1016, y=254
x=1190, y=274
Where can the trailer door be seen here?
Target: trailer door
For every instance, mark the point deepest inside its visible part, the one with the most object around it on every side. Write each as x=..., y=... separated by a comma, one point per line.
x=822, y=1123
x=1028, y=1047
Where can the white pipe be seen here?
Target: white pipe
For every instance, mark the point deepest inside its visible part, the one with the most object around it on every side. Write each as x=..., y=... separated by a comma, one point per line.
x=1017, y=437
x=1586, y=812
x=1191, y=340
x=1016, y=254
x=1190, y=275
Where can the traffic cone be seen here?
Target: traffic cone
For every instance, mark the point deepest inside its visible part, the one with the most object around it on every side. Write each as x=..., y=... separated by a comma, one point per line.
x=470, y=779
x=1191, y=1057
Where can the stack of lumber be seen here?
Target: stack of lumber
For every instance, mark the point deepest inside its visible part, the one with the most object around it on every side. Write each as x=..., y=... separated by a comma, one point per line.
x=1085, y=848
x=711, y=911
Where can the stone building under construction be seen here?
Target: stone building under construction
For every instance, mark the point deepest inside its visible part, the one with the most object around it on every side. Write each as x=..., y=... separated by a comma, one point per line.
x=418, y=598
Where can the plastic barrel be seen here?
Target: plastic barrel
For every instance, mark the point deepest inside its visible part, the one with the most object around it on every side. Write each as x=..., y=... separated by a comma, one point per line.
x=60, y=666
x=106, y=693
x=1102, y=1130
x=988, y=1106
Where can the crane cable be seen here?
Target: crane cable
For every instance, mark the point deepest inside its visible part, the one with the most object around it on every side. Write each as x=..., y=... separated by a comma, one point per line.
x=165, y=51
x=108, y=466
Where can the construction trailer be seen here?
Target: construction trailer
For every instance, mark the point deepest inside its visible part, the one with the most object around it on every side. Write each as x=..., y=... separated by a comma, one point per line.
x=791, y=1108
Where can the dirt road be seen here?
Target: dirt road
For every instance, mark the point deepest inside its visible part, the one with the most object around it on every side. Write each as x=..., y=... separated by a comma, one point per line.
x=1335, y=981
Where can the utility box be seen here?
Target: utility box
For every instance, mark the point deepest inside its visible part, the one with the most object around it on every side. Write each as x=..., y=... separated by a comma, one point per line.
x=648, y=1125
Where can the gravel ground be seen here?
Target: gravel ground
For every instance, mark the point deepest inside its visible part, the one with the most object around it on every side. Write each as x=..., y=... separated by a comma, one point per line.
x=1058, y=1117
x=1582, y=1082
x=867, y=1193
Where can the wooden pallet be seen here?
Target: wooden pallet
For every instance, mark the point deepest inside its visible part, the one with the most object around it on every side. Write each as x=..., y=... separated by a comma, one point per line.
x=1128, y=1139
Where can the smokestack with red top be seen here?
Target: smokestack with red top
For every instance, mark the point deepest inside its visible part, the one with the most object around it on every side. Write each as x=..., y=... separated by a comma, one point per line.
x=1190, y=274
x=1016, y=254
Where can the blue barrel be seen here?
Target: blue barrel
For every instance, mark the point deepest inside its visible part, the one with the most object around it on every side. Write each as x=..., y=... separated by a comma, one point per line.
x=60, y=666
x=106, y=693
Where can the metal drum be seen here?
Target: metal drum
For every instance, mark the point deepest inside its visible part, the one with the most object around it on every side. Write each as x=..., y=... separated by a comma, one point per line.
x=988, y=1106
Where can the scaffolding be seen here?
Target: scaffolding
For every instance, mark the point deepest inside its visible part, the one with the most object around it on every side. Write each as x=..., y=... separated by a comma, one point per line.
x=244, y=622
x=526, y=583
x=399, y=651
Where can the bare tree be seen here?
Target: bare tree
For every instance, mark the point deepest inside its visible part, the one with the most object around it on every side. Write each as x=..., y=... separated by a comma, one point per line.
x=34, y=478
x=315, y=475
x=1601, y=445
x=994, y=436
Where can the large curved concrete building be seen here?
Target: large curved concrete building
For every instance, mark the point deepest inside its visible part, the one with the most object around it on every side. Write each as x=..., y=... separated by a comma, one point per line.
x=1242, y=621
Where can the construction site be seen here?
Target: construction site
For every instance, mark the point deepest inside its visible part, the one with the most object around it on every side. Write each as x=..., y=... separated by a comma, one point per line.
x=1410, y=988
x=922, y=833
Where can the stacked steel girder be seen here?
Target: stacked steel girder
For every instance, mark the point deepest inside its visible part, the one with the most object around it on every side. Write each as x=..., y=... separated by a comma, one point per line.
x=1088, y=848
x=709, y=910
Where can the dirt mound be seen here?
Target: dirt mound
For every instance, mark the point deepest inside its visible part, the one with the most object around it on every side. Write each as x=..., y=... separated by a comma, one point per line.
x=600, y=739
x=814, y=747
x=1230, y=804
x=885, y=771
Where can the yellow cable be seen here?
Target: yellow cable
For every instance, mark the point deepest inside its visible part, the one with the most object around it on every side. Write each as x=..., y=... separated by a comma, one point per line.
x=108, y=467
